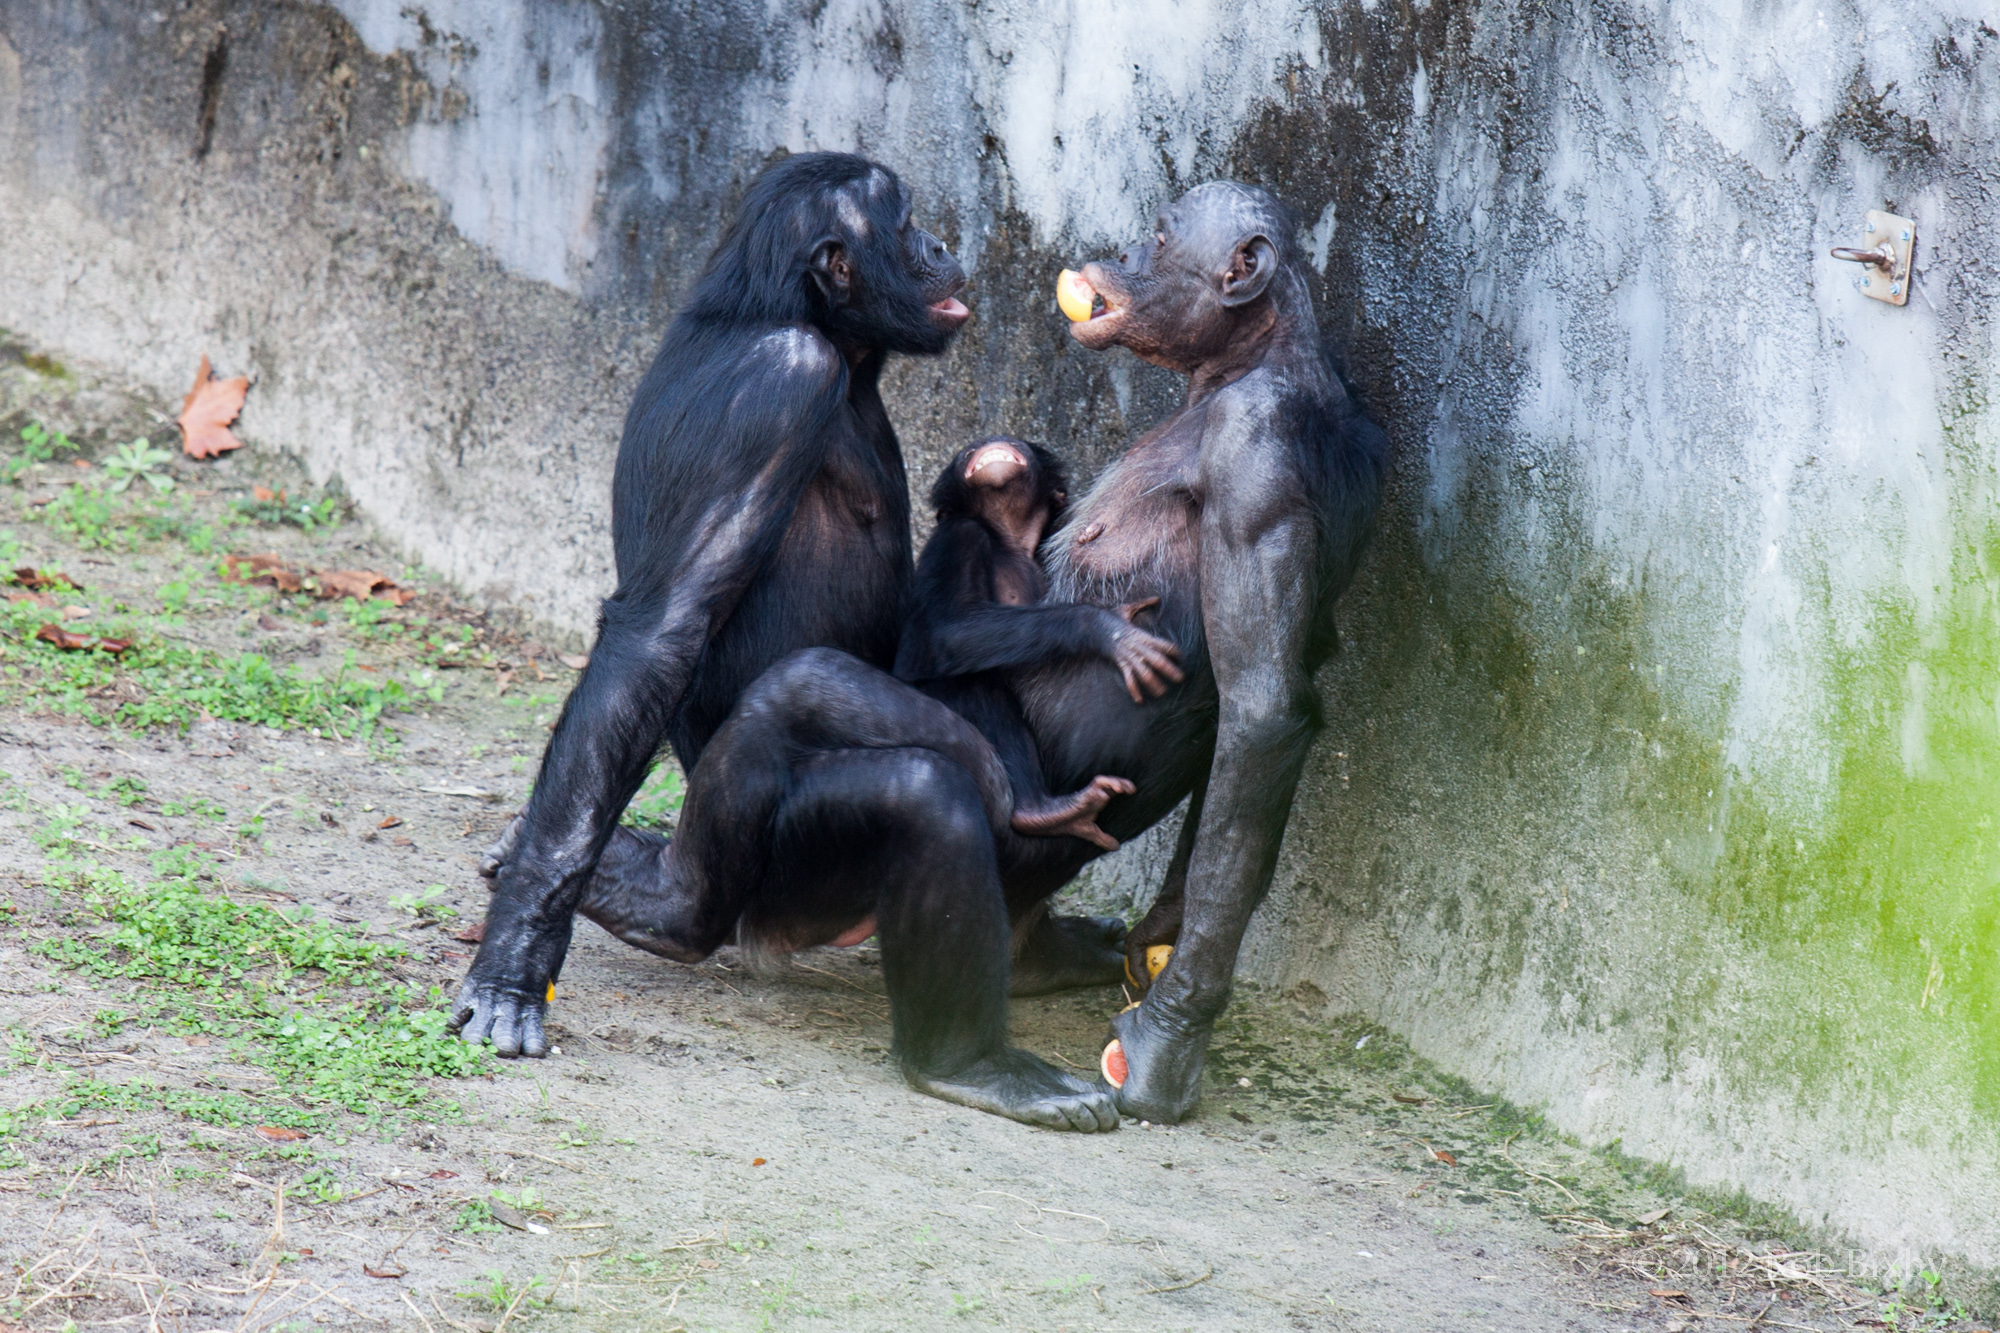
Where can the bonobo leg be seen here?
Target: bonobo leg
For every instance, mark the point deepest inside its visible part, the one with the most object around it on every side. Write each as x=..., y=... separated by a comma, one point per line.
x=909, y=828
x=608, y=732
x=1162, y=922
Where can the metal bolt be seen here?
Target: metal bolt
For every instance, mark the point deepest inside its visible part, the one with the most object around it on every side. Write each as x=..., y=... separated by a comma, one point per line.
x=1906, y=233
x=1871, y=229
x=1864, y=282
x=1896, y=289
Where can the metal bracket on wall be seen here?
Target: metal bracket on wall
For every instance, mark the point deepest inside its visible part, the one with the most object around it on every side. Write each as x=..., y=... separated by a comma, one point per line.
x=1889, y=244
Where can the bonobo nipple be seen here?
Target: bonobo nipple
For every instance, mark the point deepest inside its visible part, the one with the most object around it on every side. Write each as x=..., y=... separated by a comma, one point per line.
x=1074, y=295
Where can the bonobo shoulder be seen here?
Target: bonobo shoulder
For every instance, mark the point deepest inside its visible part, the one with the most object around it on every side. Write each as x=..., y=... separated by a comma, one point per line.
x=799, y=351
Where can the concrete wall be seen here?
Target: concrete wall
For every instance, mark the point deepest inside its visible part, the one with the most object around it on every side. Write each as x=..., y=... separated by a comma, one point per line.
x=1661, y=780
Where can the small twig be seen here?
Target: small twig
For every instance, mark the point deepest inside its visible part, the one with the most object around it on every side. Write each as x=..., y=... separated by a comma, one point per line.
x=1178, y=1286
x=417, y=1312
x=519, y=1296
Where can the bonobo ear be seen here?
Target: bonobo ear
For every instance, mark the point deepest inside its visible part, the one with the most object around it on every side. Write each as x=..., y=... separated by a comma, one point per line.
x=1251, y=266
x=830, y=270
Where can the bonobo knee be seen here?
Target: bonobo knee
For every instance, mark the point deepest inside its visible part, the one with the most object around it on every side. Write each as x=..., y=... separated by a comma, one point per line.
x=806, y=669
x=938, y=796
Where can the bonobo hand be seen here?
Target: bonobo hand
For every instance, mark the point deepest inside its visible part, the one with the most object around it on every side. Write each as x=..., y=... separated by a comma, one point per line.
x=1147, y=662
x=503, y=847
x=506, y=991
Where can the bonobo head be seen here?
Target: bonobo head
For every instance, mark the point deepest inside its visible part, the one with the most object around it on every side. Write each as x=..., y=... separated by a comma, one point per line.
x=1206, y=292
x=826, y=239
x=1016, y=487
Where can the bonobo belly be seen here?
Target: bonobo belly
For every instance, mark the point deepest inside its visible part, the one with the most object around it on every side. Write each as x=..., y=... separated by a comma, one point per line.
x=1086, y=724
x=828, y=587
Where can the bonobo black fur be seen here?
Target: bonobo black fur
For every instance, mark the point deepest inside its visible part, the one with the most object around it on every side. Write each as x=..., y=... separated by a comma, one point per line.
x=759, y=506
x=979, y=614
x=1232, y=526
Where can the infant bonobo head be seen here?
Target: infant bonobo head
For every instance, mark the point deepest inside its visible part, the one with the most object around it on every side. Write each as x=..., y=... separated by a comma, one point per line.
x=1016, y=487
x=827, y=239
x=1216, y=280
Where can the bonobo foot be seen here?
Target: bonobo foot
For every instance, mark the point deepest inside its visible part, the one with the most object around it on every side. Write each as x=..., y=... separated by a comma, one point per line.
x=1074, y=814
x=1069, y=953
x=1154, y=1063
x=1023, y=1087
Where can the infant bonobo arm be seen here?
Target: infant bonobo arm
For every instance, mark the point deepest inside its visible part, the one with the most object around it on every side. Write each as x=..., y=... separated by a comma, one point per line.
x=992, y=636
x=1258, y=548
x=741, y=463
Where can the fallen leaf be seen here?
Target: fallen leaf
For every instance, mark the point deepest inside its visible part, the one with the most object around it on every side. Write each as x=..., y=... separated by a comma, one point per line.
x=360, y=584
x=756, y=1161
x=207, y=411
x=303, y=1251
x=472, y=934
x=1656, y=1216
x=574, y=661
x=1670, y=1295
x=508, y=1215
x=75, y=612
x=710, y=1264
x=1409, y=1101
x=401, y=842
x=27, y=576
x=442, y=1174
x=387, y=1270
x=38, y=598
x=390, y=821
x=280, y=1133
x=140, y=823
x=264, y=494
x=64, y=640
x=267, y=568
x=1444, y=1157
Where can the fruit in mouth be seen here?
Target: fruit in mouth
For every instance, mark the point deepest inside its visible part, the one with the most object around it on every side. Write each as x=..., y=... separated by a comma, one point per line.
x=1074, y=295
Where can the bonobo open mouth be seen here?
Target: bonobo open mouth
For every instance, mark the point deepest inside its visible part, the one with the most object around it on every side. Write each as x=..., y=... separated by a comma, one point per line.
x=995, y=464
x=1094, y=301
x=950, y=311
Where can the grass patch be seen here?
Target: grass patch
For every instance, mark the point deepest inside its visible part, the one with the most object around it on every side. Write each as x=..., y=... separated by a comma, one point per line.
x=158, y=682
x=316, y=1004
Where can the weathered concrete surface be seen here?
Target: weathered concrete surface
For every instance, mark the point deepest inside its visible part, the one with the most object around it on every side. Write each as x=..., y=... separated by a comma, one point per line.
x=1660, y=781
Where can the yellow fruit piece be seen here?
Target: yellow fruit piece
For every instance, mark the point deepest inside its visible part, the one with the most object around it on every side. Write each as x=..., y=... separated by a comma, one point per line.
x=552, y=985
x=1074, y=295
x=1156, y=959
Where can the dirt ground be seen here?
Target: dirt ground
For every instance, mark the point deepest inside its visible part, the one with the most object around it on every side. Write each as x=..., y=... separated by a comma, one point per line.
x=714, y=1147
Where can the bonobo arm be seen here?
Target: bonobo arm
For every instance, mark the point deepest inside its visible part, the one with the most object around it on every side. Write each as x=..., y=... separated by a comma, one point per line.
x=736, y=464
x=994, y=636
x=1258, y=549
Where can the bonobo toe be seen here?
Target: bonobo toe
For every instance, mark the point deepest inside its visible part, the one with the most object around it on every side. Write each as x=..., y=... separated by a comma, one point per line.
x=513, y=1023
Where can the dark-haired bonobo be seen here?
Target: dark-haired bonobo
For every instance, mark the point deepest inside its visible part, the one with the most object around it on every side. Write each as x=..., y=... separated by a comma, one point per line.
x=759, y=506
x=979, y=613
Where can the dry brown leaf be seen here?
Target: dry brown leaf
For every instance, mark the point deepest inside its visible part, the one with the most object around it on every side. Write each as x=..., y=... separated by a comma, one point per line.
x=574, y=661
x=280, y=1133
x=1669, y=1295
x=27, y=576
x=390, y=821
x=472, y=934
x=38, y=598
x=386, y=1270
x=264, y=495
x=1444, y=1157
x=63, y=639
x=114, y=646
x=360, y=584
x=442, y=1174
x=266, y=568
x=207, y=411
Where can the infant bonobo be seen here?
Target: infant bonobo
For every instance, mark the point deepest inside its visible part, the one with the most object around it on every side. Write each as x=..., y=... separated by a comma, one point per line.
x=979, y=613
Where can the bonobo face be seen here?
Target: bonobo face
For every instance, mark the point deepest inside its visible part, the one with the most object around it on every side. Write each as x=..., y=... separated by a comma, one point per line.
x=1016, y=486
x=887, y=284
x=1184, y=296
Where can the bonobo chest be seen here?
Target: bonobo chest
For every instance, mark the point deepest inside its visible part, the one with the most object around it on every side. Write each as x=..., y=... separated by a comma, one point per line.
x=1137, y=534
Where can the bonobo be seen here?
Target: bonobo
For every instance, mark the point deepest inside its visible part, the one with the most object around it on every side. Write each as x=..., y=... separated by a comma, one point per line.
x=1245, y=513
x=758, y=506
x=979, y=613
